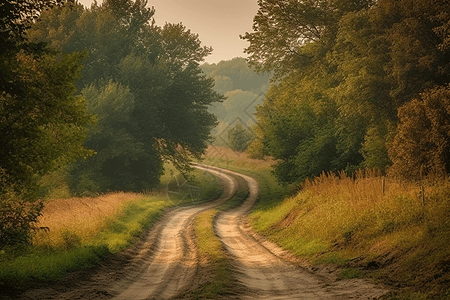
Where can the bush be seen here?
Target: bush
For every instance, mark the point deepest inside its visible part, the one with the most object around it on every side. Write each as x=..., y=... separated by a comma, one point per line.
x=421, y=145
x=17, y=220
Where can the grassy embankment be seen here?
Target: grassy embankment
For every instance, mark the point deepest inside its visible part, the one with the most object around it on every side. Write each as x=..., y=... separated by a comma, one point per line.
x=370, y=227
x=82, y=231
x=215, y=268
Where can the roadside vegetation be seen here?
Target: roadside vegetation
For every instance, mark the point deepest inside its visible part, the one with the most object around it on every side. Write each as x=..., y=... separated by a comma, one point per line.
x=77, y=233
x=395, y=232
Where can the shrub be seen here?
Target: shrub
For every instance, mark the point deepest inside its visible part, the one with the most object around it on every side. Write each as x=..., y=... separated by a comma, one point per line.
x=17, y=220
x=421, y=144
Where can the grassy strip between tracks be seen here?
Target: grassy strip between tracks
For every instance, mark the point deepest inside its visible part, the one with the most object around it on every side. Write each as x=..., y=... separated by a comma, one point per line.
x=370, y=227
x=83, y=231
x=215, y=269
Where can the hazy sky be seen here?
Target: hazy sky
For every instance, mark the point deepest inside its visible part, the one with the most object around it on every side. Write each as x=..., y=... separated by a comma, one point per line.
x=217, y=22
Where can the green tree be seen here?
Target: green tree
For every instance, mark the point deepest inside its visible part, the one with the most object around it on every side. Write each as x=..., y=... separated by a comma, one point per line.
x=365, y=60
x=283, y=28
x=121, y=162
x=43, y=122
x=159, y=66
x=239, y=137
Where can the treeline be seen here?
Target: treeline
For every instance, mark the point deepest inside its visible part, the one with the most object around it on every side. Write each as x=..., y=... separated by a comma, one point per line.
x=356, y=84
x=243, y=89
x=102, y=93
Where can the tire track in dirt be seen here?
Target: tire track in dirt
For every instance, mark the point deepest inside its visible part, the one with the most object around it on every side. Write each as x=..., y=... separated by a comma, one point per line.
x=173, y=265
x=159, y=266
x=261, y=268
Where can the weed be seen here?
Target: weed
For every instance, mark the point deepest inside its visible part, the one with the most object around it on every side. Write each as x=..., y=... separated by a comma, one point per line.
x=350, y=273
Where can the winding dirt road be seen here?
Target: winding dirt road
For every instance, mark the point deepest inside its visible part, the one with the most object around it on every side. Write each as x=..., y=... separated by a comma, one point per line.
x=165, y=262
x=259, y=265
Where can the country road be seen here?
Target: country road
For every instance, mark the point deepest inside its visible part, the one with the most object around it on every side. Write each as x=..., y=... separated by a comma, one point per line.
x=165, y=262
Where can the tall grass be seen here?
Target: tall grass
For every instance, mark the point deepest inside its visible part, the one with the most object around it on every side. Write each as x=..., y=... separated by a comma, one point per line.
x=77, y=233
x=80, y=218
x=390, y=230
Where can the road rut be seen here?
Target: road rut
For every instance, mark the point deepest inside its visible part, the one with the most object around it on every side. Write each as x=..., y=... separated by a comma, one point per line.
x=265, y=274
x=165, y=262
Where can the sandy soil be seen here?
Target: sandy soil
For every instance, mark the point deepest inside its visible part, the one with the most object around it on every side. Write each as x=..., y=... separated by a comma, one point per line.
x=165, y=262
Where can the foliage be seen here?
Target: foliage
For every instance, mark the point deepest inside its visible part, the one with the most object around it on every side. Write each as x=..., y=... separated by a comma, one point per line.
x=341, y=71
x=236, y=74
x=144, y=83
x=17, y=220
x=421, y=145
x=239, y=137
x=282, y=28
x=43, y=122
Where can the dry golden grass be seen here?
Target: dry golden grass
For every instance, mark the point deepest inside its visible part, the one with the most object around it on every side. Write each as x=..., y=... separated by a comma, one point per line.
x=401, y=227
x=225, y=157
x=84, y=217
x=368, y=205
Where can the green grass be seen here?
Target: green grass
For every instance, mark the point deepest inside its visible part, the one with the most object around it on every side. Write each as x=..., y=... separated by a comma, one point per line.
x=220, y=281
x=38, y=263
x=19, y=269
x=350, y=273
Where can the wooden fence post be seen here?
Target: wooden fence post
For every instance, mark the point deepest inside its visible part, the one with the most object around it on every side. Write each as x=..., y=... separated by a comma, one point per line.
x=422, y=194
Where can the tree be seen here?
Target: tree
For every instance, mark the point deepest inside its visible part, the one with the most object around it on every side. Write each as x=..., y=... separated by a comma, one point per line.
x=365, y=59
x=121, y=161
x=43, y=122
x=421, y=145
x=283, y=28
x=159, y=67
x=239, y=137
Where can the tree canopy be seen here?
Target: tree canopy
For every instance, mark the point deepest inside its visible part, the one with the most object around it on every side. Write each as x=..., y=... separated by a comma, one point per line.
x=42, y=119
x=342, y=69
x=145, y=85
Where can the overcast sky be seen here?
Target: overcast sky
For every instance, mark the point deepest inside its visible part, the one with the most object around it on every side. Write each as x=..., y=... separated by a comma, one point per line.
x=218, y=22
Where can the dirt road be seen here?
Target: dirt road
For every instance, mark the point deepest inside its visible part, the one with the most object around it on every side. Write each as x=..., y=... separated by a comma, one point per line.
x=259, y=265
x=166, y=261
x=172, y=266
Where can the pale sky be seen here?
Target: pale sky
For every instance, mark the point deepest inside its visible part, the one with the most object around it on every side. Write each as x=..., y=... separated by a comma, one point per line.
x=217, y=22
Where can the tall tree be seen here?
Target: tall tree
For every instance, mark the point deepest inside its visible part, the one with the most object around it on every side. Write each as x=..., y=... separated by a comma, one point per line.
x=159, y=66
x=422, y=142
